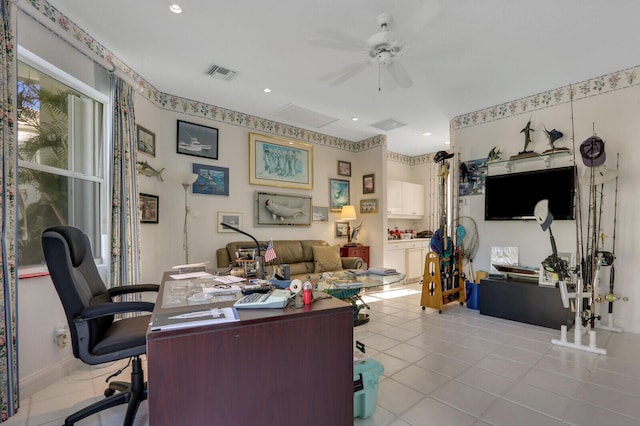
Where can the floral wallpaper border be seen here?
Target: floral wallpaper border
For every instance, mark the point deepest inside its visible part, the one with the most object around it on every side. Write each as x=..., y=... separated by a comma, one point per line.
x=593, y=87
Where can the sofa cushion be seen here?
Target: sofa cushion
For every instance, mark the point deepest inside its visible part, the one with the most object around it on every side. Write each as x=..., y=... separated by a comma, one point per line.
x=288, y=251
x=327, y=258
x=307, y=248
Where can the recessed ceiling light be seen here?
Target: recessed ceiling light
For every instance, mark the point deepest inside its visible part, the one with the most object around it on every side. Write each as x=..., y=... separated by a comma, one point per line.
x=354, y=119
x=426, y=134
x=266, y=90
x=447, y=142
x=175, y=8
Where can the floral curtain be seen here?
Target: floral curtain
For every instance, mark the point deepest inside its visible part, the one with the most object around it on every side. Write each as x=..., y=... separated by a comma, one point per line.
x=9, y=397
x=125, y=252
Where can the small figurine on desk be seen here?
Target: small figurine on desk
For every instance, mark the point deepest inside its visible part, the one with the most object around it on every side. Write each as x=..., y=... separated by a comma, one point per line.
x=527, y=140
x=553, y=136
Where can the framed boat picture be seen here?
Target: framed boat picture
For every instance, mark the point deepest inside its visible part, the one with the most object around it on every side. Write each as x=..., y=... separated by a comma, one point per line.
x=198, y=140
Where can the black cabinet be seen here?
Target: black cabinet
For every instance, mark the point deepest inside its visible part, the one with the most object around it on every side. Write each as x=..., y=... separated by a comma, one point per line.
x=524, y=301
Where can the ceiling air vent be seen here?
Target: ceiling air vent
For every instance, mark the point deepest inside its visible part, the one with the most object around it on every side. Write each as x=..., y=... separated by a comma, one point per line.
x=221, y=73
x=388, y=124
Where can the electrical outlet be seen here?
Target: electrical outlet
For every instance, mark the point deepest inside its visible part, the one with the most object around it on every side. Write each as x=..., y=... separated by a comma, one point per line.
x=60, y=336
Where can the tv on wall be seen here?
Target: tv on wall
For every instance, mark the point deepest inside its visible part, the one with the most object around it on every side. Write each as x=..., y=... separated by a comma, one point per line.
x=513, y=196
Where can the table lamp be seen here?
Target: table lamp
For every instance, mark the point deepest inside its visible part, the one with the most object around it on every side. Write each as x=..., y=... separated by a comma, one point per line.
x=348, y=213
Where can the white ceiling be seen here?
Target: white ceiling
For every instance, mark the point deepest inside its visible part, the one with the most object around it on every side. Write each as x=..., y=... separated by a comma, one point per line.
x=471, y=54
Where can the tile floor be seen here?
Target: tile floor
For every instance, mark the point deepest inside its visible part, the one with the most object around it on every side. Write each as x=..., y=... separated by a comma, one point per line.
x=458, y=368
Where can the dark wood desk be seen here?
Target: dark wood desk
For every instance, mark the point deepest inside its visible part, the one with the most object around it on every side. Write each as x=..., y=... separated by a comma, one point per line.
x=275, y=366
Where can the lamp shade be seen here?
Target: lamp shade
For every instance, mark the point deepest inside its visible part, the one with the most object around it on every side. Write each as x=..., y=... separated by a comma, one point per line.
x=348, y=213
x=189, y=178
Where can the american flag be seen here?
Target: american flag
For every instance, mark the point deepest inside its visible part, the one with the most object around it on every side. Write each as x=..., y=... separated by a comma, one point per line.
x=270, y=254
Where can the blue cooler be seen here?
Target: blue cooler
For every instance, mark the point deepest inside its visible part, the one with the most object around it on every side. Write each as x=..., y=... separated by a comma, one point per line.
x=365, y=387
x=473, y=295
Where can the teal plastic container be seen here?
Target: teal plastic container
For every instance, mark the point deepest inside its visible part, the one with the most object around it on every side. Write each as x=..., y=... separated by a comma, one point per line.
x=365, y=387
x=473, y=295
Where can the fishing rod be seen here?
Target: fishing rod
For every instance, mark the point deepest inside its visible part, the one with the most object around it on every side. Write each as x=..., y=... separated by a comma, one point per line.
x=579, y=268
x=611, y=297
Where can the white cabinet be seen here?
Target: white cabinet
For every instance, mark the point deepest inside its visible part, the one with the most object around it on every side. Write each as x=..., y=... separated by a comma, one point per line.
x=394, y=257
x=413, y=199
x=394, y=197
x=414, y=259
x=405, y=199
x=407, y=256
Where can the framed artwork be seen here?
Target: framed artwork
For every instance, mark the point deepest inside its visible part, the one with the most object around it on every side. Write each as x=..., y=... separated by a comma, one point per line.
x=342, y=229
x=368, y=184
x=149, y=208
x=473, y=175
x=369, y=205
x=338, y=194
x=211, y=180
x=344, y=168
x=146, y=141
x=320, y=214
x=232, y=218
x=282, y=209
x=280, y=162
x=198, y=140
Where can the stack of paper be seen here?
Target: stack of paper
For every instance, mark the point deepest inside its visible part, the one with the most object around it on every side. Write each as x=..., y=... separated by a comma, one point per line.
x=382, y=271
x=193, y=319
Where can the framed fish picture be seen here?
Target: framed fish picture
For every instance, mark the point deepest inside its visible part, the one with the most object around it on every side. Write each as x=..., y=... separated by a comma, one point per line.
x=212, y=180
x=282, y=209
x=338, y=194
x=280, y=162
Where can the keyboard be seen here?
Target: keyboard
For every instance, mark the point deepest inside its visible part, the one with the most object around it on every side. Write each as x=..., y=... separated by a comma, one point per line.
x=273, y=299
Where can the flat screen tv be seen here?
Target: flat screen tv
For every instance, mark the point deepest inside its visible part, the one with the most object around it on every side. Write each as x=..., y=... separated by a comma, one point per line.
x=513, y=196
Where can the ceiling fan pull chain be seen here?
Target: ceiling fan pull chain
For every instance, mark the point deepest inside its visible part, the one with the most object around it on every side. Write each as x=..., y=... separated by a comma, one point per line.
x=379, y=66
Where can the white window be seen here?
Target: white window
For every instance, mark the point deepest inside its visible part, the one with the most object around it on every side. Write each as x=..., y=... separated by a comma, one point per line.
x=61, y=157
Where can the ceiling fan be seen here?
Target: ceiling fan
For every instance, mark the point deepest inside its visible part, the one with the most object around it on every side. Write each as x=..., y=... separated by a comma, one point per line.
x=382, y=48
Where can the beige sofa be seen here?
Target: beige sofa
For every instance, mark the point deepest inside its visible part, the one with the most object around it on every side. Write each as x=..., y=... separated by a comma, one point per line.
x=304, y=257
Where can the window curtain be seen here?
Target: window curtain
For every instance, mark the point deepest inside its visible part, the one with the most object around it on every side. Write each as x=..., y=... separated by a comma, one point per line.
x=9, y=397
x=125, y=245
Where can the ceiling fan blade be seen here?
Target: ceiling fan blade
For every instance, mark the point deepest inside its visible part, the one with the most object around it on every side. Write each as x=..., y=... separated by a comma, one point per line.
x=387, y=81
x=399, y=74
x=341, y=40
x=344, y=74
x=352, y=71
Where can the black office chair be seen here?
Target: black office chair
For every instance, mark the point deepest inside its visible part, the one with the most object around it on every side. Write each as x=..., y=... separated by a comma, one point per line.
x=95, y=337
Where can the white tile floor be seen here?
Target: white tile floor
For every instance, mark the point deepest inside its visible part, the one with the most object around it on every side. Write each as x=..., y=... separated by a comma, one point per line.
x=458, y=368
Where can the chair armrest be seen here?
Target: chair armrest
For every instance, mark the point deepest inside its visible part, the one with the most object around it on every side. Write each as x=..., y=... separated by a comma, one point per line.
x=134, y=288
x=352, y=262
x=106, y=309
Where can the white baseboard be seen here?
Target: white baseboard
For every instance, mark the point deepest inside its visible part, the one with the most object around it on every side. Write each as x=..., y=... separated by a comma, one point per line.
x=45, y=377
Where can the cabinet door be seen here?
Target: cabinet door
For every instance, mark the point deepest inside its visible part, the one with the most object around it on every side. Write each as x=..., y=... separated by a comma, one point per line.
x=395, y=259
x=413, y=199
x=414, y=264
x=394, y=197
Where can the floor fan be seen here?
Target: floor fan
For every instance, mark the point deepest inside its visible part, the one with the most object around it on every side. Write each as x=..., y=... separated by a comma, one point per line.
x=467, y=243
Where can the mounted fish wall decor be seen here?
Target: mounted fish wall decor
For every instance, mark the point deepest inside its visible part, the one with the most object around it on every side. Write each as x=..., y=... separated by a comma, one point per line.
x=282, y=209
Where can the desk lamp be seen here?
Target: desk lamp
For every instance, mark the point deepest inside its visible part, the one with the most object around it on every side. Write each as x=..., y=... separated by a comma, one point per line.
x=348, y=213
x=258, y=258
x=187, y=181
